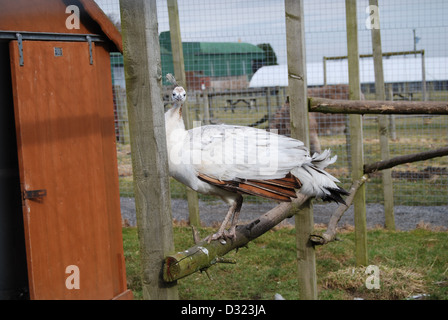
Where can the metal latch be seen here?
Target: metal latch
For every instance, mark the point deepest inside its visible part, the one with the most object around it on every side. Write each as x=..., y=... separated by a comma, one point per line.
x=20, y=43
x=34, y=194
x=89, y=40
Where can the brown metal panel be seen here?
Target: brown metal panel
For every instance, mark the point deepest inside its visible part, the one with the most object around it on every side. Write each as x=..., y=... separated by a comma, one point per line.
x=65, y=148
x=105, y=108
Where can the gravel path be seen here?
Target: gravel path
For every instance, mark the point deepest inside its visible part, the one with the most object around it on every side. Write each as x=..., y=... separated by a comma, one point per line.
x=406, y=217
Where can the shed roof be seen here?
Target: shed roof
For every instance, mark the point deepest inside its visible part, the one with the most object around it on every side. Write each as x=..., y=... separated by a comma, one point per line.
x=396, y=69
x=228, y=48
x=209, y=48
x=49, y=16
x=104, y=22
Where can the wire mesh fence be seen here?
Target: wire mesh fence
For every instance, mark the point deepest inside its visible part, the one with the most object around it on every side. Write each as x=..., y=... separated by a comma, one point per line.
x=236, y=73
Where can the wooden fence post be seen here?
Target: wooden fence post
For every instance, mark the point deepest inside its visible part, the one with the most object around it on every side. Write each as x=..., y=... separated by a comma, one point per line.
x=392, y=127
x=148, y=143
x=356, y=146
x=424, y=92
x=304, y=221
x=179, y=72
x=383, y=123
x=205, y=107
x=123, y=124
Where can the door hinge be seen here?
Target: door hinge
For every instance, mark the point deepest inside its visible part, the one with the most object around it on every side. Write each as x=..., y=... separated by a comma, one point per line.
x=20, y=42
x=34, y=194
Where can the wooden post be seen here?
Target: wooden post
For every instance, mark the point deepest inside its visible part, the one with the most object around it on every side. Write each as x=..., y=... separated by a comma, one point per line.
x=177, y=52
x=325, y=70
x=123, y=124
x=392, y=127
x=424, y=94
x=179, y=72
x=277, y=99
x=380, y=94
x=148, y=143
x=205, y=107
x=357, y=152
x=268, y=105
x=304, y=222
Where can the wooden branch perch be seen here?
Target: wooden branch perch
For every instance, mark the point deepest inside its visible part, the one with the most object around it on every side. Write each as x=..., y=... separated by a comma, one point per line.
x=386, y=164
x=204, y=254
x=377, y=107
x=330, y=234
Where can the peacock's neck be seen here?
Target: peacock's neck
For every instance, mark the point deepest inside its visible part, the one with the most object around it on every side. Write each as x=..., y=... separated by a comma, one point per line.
x=174, y=123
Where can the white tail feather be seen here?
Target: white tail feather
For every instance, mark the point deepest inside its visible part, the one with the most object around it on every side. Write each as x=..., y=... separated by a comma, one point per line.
x=323, y=159
x=316, y=182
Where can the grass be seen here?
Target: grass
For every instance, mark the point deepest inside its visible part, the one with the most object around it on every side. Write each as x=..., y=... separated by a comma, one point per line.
x=410, y=263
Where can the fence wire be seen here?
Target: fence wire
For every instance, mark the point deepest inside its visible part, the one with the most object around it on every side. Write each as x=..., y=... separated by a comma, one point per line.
x=236, y=70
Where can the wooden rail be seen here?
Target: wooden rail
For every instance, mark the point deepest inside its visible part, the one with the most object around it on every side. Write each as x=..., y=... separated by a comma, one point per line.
x=377, y=107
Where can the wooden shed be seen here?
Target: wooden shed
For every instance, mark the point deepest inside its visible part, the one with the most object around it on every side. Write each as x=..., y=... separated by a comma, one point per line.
x=60, y=220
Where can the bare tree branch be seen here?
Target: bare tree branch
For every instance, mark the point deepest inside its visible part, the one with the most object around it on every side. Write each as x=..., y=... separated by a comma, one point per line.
x=204, y=254
x=330, y=234
x=386, y=164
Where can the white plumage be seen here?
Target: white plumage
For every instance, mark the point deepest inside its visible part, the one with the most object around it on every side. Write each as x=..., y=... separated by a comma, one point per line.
x=227, y=161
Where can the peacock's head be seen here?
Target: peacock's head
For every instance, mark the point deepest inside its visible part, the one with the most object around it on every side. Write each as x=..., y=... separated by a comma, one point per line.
x=179, y=95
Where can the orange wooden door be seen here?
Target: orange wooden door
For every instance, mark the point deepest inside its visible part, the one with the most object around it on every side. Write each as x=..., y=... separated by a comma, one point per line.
x=64, y=121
